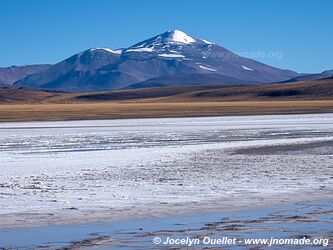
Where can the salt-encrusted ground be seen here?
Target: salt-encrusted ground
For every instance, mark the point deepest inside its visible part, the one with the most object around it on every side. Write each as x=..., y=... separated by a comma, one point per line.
x=79, y=171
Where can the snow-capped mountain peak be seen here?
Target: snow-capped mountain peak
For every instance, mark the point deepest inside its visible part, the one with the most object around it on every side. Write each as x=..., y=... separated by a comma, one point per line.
x=166, y=39
x=180, y=37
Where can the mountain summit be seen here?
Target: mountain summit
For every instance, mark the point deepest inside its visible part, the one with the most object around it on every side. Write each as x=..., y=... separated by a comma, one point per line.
x=166, y=39
x=171, y=58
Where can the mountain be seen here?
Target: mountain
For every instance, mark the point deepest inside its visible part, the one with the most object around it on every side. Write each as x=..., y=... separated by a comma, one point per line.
x=308, y=77
x=328, y=72
x=168, y=59
x=74, y=73
x=12, y=74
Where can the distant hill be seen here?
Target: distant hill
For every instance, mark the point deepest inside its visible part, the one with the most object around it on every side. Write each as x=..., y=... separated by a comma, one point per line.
x=9, y=75
x=21, y=95
x=307, y=77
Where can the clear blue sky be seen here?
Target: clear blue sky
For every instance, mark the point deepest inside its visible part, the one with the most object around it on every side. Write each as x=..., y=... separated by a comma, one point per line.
x=47, y=31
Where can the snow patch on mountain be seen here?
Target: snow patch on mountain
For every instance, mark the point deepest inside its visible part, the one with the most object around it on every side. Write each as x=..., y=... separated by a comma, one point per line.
x=171, y=55
x=206, y=68
x=246, y=68
x=140, y=50
x=205, y=41
x=118, y=51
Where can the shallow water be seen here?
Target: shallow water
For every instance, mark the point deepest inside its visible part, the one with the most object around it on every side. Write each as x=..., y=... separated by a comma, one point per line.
x=138, y=234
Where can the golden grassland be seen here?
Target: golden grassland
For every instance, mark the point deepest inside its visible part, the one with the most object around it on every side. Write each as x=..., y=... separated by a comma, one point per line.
x=114, y=110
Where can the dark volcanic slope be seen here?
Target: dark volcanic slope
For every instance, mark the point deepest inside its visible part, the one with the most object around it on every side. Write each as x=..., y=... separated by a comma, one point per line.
x=309, y=90
x=169, y=59
x=142, y=93
x=12, y=74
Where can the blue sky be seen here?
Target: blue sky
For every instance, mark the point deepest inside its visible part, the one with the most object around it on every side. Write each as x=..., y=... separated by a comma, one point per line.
x=293, y=34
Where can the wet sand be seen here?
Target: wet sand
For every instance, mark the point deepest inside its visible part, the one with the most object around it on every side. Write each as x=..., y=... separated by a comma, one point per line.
x=313, y=148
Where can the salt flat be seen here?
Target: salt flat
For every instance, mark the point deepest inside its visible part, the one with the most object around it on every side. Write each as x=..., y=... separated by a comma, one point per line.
x=74, y=171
